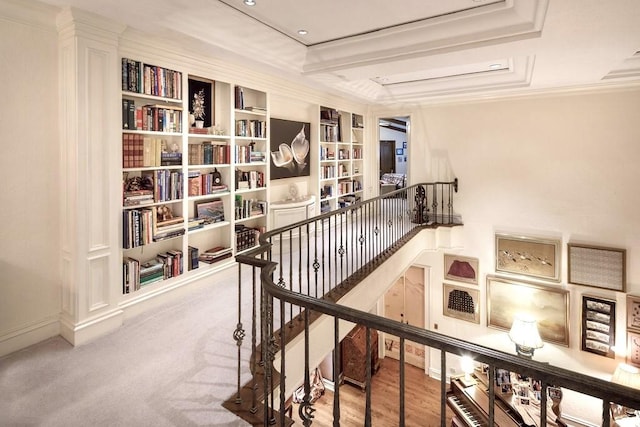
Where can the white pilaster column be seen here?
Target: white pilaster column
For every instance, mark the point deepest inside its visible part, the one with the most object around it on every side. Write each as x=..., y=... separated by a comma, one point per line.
x=90, y=115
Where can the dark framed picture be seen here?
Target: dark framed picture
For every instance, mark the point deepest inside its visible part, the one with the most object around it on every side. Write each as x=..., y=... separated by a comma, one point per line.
x=404, y=145
x=528, y=256
x=201, y=96
x=290, y=148
x=461, y=268
x=598, y=325
x=212, y=210
x=399, y=151
x=549, y=305
x=461, y=302
x=597, y=266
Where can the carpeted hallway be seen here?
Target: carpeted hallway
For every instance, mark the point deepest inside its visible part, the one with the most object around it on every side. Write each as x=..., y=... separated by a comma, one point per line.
x=172, y=366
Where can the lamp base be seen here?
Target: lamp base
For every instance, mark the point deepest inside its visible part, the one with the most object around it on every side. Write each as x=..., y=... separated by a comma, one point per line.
x=524, y=351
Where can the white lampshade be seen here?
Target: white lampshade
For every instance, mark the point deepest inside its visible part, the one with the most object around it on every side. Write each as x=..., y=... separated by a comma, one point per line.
x=524, y=333
x=626, y=375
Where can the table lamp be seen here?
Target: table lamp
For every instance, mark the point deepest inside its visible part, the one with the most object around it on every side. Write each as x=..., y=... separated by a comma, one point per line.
x=629, y=376
x=524, y=334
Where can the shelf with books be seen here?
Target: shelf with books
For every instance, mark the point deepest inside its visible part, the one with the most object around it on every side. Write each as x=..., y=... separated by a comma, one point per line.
x=341, y=155
x=193, y=146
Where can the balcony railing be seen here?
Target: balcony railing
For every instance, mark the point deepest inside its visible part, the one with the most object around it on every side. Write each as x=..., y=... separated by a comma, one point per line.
x=299, y=274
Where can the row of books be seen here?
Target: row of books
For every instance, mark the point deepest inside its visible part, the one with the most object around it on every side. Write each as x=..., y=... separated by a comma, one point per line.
x=150, y=79
x=215, y=254
x=327, y=153
x=208, y=153
x=140, y=227
x=246, y=208
x=346, y=187
x=139, y=151
x=251, y=128
x=330, y=133
x=203, y=183
x=167, y=184
x=156, y=118
x=164, y=266
x=246, y=237
x=249, y=179
x=326, y=191
x=327, y=171
x=248, y=154
x=137, y=197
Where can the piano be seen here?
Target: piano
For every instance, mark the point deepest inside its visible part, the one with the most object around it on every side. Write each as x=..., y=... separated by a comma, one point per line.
x=469, y=401
x=470, y=406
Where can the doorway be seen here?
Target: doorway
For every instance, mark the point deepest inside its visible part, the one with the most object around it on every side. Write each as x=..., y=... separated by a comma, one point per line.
x=405, y=302
x=393, y=137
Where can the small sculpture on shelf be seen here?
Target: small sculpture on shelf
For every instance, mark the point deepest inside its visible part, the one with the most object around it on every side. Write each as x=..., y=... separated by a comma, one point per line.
x=164, y=213
x=197, y=106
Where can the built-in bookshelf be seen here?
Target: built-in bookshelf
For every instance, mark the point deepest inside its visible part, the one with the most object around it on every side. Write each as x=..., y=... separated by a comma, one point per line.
x=194, y=173
x=341, y=136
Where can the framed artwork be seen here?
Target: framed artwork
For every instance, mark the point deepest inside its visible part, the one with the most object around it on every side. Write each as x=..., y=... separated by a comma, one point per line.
x=461, y=302
x=461, y=268
x=548, y=305
x=213, y=210
x=528, y=256
x=633, y=312
x=633, y=348
x=597, y=266
x=290, y=149
x=399, y=151
x=598, y=325
x=201, y=98
x=404, y=145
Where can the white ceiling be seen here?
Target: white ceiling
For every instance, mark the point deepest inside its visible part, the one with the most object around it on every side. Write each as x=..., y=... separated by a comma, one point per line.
x=407, y=51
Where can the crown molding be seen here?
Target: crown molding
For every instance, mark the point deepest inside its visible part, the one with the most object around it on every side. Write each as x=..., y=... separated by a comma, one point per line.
x=35, y=14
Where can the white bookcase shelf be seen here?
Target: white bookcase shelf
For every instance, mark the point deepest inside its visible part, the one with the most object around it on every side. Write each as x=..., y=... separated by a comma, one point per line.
x=203, y=165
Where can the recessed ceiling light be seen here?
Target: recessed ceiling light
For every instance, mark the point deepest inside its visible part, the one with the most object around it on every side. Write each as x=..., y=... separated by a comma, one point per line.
x=302, y=32
x=250, y=2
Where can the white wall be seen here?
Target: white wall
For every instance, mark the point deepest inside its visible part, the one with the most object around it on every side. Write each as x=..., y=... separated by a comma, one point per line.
x=30, y=198
x=562, y=166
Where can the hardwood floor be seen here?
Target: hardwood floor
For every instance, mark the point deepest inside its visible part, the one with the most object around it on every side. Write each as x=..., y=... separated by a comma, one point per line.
x=422, y=400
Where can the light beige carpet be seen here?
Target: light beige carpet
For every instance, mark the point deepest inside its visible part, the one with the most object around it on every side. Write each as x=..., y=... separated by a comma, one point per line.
x=172, y=366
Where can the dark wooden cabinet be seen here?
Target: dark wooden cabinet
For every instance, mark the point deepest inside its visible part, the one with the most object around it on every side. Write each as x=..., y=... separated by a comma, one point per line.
x=353, y=355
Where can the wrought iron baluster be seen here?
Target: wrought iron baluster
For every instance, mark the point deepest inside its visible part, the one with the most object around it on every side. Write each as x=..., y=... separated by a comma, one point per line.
x=283, y=369
x=443, y=389
x=367, y=416
x=306, y=408
x=238, y=334
x=336, y=373
x=401, y=410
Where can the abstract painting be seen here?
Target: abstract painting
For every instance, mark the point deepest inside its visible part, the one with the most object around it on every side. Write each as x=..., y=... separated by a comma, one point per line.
x=290, y=149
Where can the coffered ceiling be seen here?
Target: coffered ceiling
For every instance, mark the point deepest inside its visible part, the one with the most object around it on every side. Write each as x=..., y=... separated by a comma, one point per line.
x=407, y=51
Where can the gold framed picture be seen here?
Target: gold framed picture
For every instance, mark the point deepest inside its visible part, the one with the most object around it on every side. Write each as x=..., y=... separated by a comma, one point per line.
x=461, y=268
x=461, y=302
x=528, y=256
x=597, y=266
x=549, y=305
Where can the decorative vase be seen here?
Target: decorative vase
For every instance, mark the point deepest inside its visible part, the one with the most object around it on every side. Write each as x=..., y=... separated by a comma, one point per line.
x=199, y=124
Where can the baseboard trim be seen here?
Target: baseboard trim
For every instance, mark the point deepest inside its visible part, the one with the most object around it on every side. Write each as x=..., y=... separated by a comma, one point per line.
x=146, y=301
x=23, y=337
x=88, y=330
